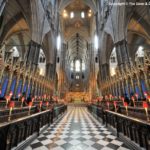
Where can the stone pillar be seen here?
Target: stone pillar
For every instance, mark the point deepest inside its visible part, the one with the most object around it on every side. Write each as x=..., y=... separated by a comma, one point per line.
x=140, y=88
x=105, y=71
x=132, y=84
x=33, y=54
x=31, y=87
x=113, y=93
x=127, y=87
x=16, y=86
x=50, y=70
x=28, y=86
x=123, y=86
x=116, y=88
x=23, y=83
x=34, y=88
x=2, y=4
x=38, y=89
x=119, y=88
x=146, y=81
x=122, y=54
x=9, y=83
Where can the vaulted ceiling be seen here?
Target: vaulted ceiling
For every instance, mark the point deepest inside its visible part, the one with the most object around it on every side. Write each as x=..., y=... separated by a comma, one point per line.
x=78, y=29
x=77, y=17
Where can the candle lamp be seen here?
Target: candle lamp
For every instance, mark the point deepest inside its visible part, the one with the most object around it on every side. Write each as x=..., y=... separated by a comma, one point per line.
x=22, y=101
x=47, y=103
x=108, y=105
x=145, y=106
x=106, y=97
x=11, y=93
x=11, y=106
x=32, y=99
x=7, y=100
x=145, y=94
x=35, y=97
x=136, y=95
x=115, y=104
x=148, y=97
x=122, y=98
x=110, y=97
x=126, y=106
x=41, y=105
x=44, y=96
x=30, y=105
x=19, y=96
x=133, y=100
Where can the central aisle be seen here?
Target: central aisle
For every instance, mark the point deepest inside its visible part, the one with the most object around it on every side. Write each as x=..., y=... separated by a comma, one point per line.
x=77, y=130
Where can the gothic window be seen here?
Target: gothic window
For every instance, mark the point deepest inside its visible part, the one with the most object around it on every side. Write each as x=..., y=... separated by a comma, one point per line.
x=40, y=60
x=113, y=62
x=77, y=65
x=43, y=59
x=83, y=66
x=72, y=14
x=71, y=67
x=82, y=14
x=113, y=59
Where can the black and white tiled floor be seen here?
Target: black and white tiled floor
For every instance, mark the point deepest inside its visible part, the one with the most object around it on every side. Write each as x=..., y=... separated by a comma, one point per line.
x=77, y=130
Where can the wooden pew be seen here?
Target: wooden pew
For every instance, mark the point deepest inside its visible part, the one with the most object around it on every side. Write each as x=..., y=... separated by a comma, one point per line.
x=134, y=129
x=17, y=131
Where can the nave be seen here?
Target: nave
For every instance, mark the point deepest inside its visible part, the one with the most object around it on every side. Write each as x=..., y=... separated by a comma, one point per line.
x=77, y=130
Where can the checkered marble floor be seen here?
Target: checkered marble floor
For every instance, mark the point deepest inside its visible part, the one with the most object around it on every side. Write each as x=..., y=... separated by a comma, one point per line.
x=77, y=130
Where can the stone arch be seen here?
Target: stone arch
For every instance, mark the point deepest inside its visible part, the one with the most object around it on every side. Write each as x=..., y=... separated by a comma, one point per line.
x=143, y=23
x=106, y=48
x=8, y=28
x=115, y=25
x=137, y=33
x=49, y=46
x=135, y=40
x=89, y=3
x=40, y=25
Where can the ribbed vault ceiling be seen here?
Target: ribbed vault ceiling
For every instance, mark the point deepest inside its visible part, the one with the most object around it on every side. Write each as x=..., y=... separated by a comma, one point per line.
x=77, y=30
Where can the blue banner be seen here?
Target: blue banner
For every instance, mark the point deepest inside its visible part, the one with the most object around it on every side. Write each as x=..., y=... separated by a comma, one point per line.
x=4, y=87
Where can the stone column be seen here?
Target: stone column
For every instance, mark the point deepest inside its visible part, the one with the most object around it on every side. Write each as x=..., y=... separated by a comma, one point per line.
x=50, y=71
x=105, y=71
x=113, y=93
x=146, y=81
x=36, y=88
x=16, y=86
x=127, y=87
x=31, y=87
x=33, y=54
x=9, y=83
x=140, y=87
x=28, y=86
x=132, y=84
x=122, y=54
x=40, y=89
x=23, y=83
x=2, y=4
x=123, y=86
x=119, y=88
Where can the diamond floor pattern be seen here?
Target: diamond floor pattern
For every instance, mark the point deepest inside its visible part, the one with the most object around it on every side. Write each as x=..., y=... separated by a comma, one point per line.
x=77, y=130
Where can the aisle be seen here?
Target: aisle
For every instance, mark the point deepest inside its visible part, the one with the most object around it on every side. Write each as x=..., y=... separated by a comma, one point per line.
x=78, y=130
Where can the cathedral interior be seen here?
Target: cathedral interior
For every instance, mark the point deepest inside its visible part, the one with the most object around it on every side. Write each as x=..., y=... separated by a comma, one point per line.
x=75, y=74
